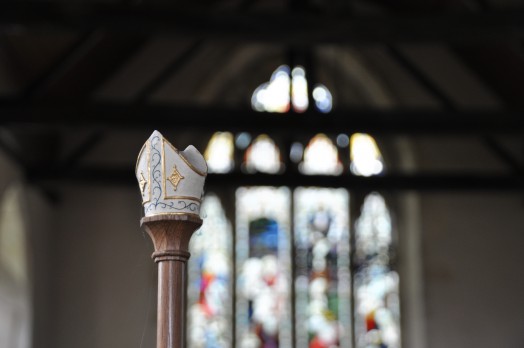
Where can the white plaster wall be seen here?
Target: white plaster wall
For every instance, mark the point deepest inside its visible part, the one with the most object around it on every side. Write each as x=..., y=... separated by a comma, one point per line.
x=103, y=277
x=474, y=280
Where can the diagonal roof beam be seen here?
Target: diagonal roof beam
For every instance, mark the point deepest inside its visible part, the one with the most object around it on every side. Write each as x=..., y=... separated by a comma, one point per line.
x=176, y=65
x=93, y=66
x=75, y=52
x=421, y=78
x=291, y=28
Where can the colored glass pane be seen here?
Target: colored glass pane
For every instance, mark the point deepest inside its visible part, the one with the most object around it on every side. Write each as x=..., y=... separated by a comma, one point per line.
x=273, y=96
x=323, y=281
x=366, y=159
x=263, y=156
x=209, y=279
x=376, y=284
x=219, y=153
x=263, y=310
x=321, y=157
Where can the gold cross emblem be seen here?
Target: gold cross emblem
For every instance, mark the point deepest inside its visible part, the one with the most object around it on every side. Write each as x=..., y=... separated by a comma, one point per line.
x=175, y=177
x=142, y=182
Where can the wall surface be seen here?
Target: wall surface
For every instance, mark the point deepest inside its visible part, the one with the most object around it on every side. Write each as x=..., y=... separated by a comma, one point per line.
x=102, y=281
x=473, y=257
x=103, y=277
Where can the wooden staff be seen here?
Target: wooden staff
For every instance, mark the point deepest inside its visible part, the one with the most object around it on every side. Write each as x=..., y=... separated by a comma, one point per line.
x=171, y=235
x=171, y=183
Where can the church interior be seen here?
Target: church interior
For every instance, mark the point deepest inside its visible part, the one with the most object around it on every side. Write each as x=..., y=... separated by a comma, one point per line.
x=365, y=183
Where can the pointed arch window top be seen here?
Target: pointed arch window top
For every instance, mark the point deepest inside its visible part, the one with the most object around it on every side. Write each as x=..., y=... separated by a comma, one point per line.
x=366, y=159
x=219, y=153
x=263, y=156
x=321, y=157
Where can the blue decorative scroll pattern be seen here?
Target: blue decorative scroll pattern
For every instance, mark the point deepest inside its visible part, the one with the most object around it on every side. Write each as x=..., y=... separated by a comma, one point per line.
x=156, y=168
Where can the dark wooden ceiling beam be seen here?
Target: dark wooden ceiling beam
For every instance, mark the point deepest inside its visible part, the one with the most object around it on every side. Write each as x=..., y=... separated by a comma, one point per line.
x=177, y=117
x=436, y=182
x=295, y=28
x=94, y=66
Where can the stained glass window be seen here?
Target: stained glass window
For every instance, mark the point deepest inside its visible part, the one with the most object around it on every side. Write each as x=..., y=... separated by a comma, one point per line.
x=263, y=258
x=285, y=90
x=272, y=283
x=273, y=96
x=323, y=281
x=219, y=153
x=323, y=98
x=299, y=95
x=209, y=279
x=263, y=156
x=321, y=157
x=366, y=159
x=376, y=284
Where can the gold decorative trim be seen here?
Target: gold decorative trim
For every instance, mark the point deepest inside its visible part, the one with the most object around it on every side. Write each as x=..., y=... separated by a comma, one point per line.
x=183, y=158
x=142, y=182
x=166, y=196
x=175, y=178
x=139, y=155
x=147, y=146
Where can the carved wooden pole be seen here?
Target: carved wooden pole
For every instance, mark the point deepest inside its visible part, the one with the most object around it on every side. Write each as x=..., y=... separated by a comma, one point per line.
x=171, y=183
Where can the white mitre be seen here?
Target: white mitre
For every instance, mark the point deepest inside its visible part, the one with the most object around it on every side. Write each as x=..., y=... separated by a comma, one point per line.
x=171, y=181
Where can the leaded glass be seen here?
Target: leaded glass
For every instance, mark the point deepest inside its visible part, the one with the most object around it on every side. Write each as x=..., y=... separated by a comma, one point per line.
x=323, y=98
x=209, y=284
x=321, y=157
x=299, y=90
x=273, y=96
x=263, y=308
x=219, y=153
x=366, y=159
x=323, y=281
x=376, y=284
x=263, y=156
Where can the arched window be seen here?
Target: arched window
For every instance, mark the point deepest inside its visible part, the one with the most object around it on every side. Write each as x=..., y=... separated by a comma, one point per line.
x=263, y=156
x=306, y=273
x=219, y=153
x=322, y=267
x=263, y=261
x=210, y=272
x=288, y=89
x=321, y=157
x=377, y=308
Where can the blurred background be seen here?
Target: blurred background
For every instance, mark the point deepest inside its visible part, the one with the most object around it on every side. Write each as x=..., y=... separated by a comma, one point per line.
x=365, y=184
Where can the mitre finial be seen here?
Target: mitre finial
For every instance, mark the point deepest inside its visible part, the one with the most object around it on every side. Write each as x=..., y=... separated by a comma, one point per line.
x=170, y=181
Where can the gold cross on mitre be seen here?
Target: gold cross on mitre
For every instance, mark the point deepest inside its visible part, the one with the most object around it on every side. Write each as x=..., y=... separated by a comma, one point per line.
x=142, y=182
x=175, y=177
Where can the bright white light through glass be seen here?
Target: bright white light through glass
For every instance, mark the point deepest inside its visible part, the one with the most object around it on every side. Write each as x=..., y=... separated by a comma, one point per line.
x=366, y=159
x=376, y=284
x=321, y=157
x=263, y=156
x=286, y=89
x=273, y=96
x=323, y=98
x=299, y=97
x=209, y=274
x=219, y=153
